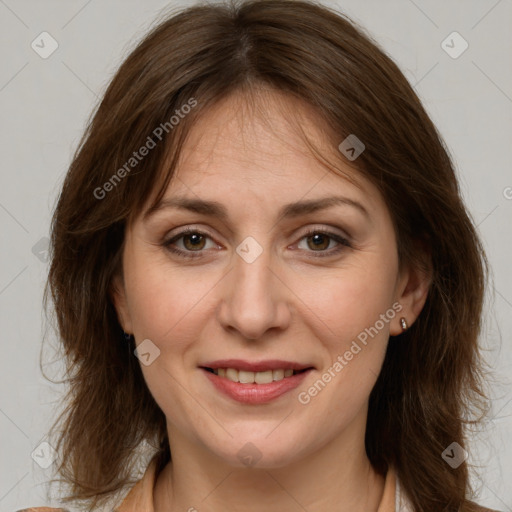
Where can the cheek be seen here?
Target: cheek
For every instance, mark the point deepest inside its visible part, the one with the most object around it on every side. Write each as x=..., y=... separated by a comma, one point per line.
x=167, y=303
x=348, y=310
x=168, y=307
x=349, y=300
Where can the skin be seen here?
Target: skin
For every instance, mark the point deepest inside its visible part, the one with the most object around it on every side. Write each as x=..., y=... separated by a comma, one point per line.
x=287, y=304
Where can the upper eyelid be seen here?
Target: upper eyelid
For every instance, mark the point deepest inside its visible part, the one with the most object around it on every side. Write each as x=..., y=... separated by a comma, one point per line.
x=317, y=227
x=327, y=230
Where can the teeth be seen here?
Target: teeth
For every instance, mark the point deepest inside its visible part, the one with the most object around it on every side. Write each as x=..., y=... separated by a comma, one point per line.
x=278, y=374
x=232, y=374
x=263, y=377
x=245, y=377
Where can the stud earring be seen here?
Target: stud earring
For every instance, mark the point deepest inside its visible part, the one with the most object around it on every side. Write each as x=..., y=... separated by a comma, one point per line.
x=403, y=323
x=127, y=336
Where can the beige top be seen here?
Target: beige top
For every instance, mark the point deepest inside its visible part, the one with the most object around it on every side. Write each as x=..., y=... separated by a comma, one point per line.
x=140, y=496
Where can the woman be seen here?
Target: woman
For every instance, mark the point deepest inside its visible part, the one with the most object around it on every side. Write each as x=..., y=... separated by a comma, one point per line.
x=262, y=269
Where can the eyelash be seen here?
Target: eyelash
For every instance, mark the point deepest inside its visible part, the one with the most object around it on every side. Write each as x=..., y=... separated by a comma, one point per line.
x=190, y=254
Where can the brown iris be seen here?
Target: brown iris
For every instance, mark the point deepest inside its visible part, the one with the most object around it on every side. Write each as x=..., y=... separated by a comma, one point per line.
x=321, y=239
x=196, y=237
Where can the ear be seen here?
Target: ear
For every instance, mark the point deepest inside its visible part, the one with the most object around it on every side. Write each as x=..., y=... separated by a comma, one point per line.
x=412, y=288
x=117, y=295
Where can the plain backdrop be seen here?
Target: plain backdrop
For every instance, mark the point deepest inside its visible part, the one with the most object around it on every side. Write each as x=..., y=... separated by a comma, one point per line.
x=46, y=102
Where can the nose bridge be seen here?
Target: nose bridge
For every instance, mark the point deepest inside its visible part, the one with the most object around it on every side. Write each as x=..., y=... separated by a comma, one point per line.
x=253, y=270
x=253, y=301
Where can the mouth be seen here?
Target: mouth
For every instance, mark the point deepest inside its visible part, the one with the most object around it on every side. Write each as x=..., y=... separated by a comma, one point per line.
x=248, y=377
x=255, y=383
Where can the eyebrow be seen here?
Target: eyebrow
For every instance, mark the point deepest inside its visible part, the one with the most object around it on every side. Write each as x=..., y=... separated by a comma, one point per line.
x=216, y=209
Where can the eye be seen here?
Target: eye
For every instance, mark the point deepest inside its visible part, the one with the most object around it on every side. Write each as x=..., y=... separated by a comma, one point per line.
x=318, y=240
x=194, y=241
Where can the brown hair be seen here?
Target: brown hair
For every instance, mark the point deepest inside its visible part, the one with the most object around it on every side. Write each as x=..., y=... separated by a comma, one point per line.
x=432, y=376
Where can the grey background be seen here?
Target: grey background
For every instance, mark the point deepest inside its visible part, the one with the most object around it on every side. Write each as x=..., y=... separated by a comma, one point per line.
x=45, y=104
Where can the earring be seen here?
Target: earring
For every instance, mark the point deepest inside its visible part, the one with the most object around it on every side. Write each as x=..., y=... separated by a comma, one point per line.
x=127, y=336
x=403, y=323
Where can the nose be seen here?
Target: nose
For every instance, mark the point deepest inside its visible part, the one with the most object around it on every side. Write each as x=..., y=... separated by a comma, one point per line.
x=254, y=298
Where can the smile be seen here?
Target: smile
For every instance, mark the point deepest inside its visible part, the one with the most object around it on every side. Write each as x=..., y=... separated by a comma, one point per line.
x=255, y=383
x=248, y=377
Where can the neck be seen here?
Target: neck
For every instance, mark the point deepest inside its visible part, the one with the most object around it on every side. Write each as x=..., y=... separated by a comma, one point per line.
x=338, y=476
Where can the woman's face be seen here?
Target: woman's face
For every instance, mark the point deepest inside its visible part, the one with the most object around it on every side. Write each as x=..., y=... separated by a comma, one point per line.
x=272, y=277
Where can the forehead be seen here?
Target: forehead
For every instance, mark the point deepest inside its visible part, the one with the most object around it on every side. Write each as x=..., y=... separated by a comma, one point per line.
x=255, y=148
x=254, y=137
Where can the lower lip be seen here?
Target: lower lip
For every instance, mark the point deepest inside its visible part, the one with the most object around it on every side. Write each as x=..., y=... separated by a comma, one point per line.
x=256, y=393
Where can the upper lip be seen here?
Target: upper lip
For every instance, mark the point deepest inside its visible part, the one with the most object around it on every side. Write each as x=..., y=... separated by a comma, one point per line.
x=255, y=366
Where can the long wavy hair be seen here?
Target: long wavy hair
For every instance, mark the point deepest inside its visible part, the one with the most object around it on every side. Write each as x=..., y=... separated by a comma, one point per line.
x=431, y=387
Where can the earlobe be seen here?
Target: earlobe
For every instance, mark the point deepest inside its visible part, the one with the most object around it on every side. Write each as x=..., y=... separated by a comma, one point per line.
x=117, y=295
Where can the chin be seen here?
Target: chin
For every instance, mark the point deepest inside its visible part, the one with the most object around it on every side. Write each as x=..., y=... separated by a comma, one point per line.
x=260, y=451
